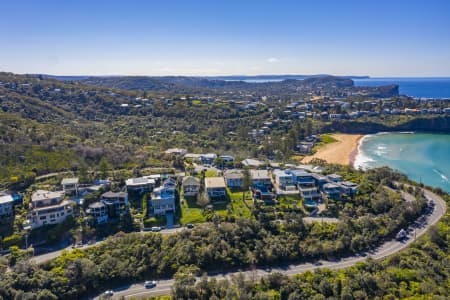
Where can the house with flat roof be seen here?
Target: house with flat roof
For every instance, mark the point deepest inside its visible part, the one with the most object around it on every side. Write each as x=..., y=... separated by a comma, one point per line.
x=6, y=206
x=191, y=186
x=334, y=177
x=140, y=184
x=348, y=188
x=284, y=180
x=260, y=178
x=48, y=208
x=163, y=198
x=70, y=185
x=116, y=203
x=332, y=191
x=233, y=178
x=215, y=187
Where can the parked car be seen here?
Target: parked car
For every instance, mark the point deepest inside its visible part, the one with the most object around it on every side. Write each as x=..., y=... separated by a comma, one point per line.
x=150, y=284
x=156, y=228
x=189, y=226
x=108, y=294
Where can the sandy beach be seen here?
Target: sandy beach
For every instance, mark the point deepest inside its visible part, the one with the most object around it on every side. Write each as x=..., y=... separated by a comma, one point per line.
x=341, y=152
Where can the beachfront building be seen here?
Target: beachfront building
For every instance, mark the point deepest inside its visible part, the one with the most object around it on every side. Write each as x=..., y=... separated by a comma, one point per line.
x=332, y=191
x=348, y=188
x=334, y=178
x=283, y=180
x=48, y=208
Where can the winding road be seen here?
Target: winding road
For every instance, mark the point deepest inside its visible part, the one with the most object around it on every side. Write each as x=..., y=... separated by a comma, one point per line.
x=388, y=248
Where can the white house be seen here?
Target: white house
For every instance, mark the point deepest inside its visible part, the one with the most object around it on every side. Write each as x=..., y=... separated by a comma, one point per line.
x=6, y=206
x=70, y=185
x=140, y=184
x=48, y=208
x=163, y=198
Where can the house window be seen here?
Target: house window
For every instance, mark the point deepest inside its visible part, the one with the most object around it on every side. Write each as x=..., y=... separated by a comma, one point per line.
x=43, y=218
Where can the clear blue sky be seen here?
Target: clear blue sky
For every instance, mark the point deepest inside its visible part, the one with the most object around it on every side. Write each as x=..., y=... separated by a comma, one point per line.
x=189, y=37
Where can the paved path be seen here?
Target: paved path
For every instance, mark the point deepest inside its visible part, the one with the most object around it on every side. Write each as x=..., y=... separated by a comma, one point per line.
x=388, y=248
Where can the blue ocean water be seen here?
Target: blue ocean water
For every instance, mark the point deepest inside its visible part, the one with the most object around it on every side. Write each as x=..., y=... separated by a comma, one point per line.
x=438, y=87
x=422, y=157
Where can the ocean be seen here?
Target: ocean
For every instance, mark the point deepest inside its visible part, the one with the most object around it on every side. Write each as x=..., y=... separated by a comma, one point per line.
x=438, y=87
x=422, y=157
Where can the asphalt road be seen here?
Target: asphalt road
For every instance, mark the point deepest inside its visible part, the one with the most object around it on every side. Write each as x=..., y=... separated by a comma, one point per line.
x=391, y=247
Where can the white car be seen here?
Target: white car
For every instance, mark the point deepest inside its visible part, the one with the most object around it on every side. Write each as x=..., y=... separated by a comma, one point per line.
x=108, y=294
x=150, y=284
x=156, y=228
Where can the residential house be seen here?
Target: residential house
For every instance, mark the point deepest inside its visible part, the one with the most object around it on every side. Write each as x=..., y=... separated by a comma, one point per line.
x=252, y=163
x=140, y=184
x=320, y=180
x=99, y=211
x=191, y=186
x=163, y=198
x=6, y=206
x=284, y=180
x=305, y=147
x=70, y=185
x=306, y=184
x=176, y=151
x=208, y=159
x=334, y=178
x=261, y=179
x=227, y=159
x=234, y=178
x=48, y=208
x=332, y=191
x=117, y=203
x=215, y=187
x=348, y=188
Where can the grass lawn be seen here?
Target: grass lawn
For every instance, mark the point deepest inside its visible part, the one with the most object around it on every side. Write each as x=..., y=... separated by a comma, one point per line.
x=211, y=173
x=196, y=102
x=237, y=205
x=289, y=200
x=191, y=212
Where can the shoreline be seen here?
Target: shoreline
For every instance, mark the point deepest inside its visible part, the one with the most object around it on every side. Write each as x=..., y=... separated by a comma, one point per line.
x=342, y=152
x=354, y=154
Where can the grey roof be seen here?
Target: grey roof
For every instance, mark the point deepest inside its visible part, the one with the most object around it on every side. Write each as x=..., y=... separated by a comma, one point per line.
x=73, y=180
x=44, y=195
x=191, y=180
x=259, y=174
x=98, y=204
x=233, y=174
x=111, y=194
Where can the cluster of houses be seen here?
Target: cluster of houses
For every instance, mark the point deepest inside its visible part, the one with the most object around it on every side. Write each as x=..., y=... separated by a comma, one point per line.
x=53, y=207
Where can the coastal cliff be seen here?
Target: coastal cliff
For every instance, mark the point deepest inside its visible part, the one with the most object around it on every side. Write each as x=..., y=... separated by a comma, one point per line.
x=437, y=124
